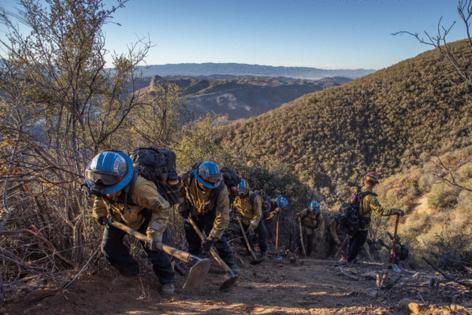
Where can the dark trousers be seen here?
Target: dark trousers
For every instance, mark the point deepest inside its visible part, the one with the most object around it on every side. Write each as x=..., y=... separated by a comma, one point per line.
x=308, y=241
x=205, y=224
x=356, y=243
x=260, y=234
x=269, y=226
x=119, y=257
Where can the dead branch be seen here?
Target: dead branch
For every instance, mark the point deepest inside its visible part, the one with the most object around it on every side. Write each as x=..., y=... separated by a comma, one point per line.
x=84, y=267
x=392, y=283
x=34, y=232
x=6, y=186
x=446, y=276
x=439, y=40
x=452, y=182
x=464, y=8
x=346, y=274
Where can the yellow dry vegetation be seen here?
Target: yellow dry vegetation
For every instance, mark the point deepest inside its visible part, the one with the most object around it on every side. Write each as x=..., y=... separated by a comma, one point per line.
x=439, y=199
x=386, y=121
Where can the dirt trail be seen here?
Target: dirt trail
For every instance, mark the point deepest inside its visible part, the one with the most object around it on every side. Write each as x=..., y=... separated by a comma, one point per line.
x=306, y=287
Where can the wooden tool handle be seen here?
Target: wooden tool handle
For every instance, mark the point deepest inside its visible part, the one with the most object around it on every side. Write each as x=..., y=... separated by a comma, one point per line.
x=246, y=239
x=213, y=251
x=393, y=251
x=177, y=253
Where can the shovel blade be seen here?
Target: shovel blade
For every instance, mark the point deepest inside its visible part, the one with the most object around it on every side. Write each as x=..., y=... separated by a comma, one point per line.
x=197, y=274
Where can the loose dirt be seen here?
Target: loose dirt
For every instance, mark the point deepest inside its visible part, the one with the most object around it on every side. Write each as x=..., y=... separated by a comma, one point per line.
x=305, y=286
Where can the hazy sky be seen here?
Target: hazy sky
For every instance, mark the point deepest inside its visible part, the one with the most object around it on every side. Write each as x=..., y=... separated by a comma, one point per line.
x=318, y=33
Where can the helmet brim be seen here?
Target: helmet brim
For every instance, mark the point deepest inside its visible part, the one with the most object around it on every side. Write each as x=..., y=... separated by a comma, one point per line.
x=204, y=183
x=107, y=190
x=372, y=179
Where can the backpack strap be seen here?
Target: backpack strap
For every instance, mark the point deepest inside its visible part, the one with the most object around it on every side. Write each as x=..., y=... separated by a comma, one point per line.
x=215, y=193
x=360, y=197
x=362, y=194
x=252, y=197
x=127, y=192
x=125, y=196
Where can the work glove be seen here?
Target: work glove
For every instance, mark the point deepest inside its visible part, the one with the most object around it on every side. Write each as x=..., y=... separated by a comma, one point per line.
x=399, y=212
x=154, y=232
x=103, y=220
x=206, y=246
x=271, y=215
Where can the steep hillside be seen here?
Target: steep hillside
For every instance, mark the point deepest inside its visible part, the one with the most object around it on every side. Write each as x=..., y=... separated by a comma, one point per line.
x=384, y=121
x=438, y=196
x=239, y=69
x=241, y=97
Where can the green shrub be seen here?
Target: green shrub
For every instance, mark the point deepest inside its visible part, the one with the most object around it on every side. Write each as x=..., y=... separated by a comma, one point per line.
x=451, y=249
x=425, y=181
x=442, y=196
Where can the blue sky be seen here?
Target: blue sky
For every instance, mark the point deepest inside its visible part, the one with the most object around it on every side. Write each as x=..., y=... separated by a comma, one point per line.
x=318, y=33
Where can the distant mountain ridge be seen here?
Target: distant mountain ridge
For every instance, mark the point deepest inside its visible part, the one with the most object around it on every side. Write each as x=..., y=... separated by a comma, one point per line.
x=239, y=69
x=387, y=121
x=238, y=97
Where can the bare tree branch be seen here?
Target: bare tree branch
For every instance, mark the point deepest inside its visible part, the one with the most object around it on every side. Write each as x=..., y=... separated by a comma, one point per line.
x=452, y=182
x=439, y=40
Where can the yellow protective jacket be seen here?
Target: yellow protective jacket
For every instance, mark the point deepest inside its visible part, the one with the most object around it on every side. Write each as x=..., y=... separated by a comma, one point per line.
x=274, y=210
x=370, y=204
x=249, y=208
x=142, y=195
x=309, y=219
x=199, y=202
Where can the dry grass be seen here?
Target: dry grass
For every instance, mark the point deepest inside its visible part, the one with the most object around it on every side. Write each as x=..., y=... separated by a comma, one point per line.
x=389, y=121
x=439, y=214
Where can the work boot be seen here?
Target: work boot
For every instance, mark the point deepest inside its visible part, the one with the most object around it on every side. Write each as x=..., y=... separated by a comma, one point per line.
x=167, y=289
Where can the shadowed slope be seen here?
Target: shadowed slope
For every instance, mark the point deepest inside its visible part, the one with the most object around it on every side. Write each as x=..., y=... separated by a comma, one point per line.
x=383, y=121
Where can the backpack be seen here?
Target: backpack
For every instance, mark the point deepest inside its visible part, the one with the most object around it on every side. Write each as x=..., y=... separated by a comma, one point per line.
x=230, y=177
x=266, y=205
x=349, y=217
x=159, y=166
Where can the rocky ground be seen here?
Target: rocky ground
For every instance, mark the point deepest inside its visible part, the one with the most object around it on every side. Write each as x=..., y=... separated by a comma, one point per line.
x=305, y=286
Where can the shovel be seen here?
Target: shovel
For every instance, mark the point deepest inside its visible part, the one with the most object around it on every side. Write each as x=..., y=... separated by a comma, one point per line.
x=255, y=260
x=196, y=274
x=228, y=283
x=277, y=234
x=301, y=236
x=393, y=251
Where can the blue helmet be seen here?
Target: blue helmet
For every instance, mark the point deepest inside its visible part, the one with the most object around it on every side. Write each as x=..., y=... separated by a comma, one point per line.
x=281, y=202
x=314, y=206
x=243, y=186
x=109, y=172
x=208, y=174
